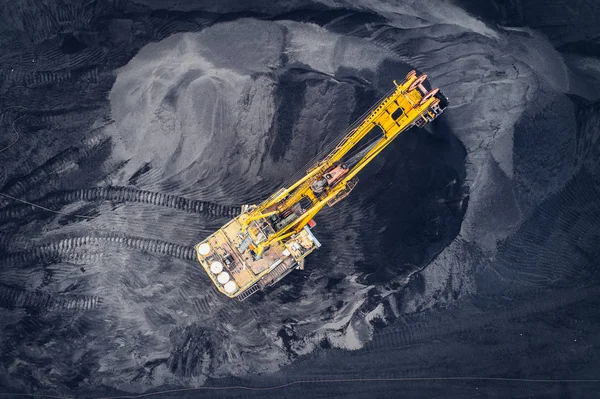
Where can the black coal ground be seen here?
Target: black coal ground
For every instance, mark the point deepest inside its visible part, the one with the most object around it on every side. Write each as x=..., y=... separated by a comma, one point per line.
x=117, y=302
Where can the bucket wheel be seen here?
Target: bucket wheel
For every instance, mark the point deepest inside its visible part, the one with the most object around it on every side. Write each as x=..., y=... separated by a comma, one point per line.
x=417, y=82
x=410, y=75
x=429, y=95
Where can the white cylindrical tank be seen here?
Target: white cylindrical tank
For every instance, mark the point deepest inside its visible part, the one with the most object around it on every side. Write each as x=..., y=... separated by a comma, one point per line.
x=216, y=267
x=223, y=277
x=230, y=287
x=204, y=249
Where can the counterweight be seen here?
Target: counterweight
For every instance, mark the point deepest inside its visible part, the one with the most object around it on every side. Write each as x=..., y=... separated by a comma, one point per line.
x=269, y=240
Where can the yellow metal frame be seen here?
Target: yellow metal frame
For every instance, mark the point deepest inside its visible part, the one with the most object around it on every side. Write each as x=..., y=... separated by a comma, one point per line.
x=401, y=97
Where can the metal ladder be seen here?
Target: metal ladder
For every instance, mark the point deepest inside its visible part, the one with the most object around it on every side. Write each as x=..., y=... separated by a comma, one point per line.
x=244, y=295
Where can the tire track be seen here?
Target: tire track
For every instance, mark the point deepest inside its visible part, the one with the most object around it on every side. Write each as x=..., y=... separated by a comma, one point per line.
x=117, y=194
x=64, y=250
x=13, y=297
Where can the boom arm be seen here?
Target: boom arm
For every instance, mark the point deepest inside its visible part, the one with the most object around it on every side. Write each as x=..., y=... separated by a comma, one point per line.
x=330, y=180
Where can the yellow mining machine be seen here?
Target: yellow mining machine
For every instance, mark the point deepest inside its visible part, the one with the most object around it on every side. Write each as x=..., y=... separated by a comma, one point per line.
x=267, y=241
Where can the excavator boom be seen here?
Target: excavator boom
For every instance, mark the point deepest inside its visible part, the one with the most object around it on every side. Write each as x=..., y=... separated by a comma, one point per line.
x=269, y=240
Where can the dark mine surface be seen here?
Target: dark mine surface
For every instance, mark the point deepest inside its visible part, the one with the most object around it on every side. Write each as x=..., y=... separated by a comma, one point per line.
x=464, y=264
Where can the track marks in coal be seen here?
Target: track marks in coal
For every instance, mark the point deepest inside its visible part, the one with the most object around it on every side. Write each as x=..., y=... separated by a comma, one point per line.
x=193, y=351
x=121, y=194
x=16, y=187
x=560, y=240
x=415, y=331
x=66, y=250
x=14, y=129
x=13, y=297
